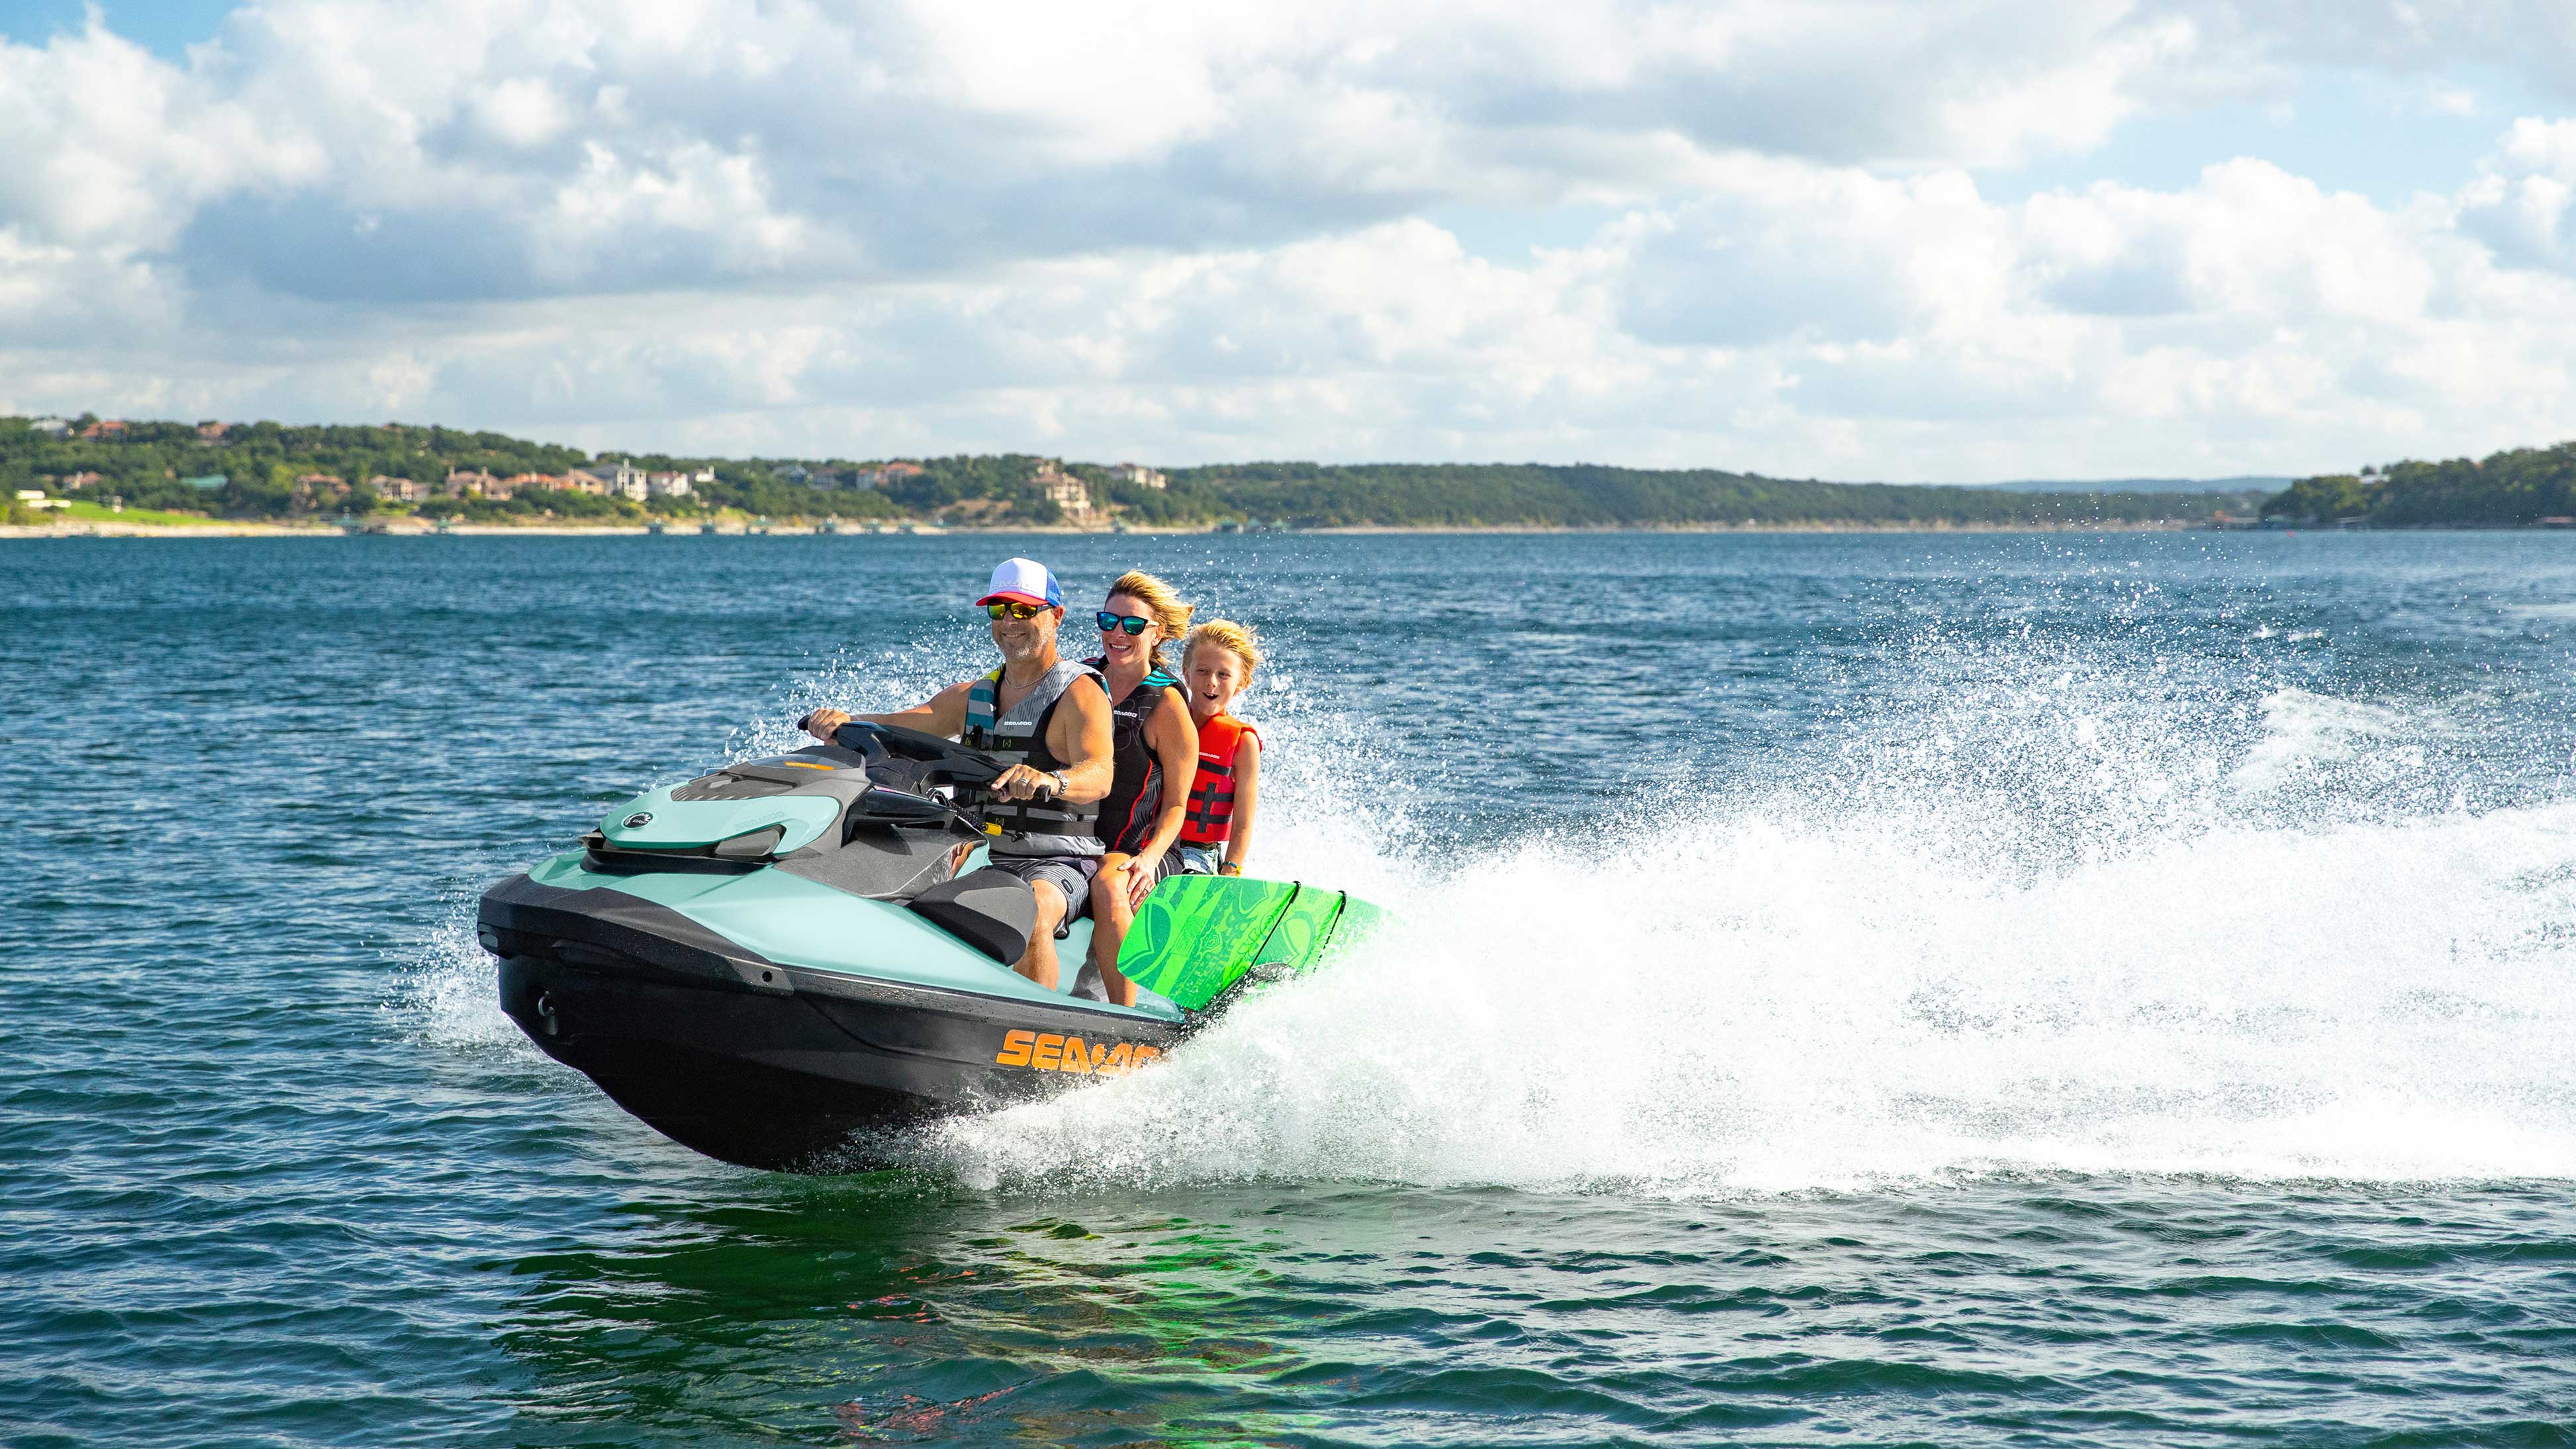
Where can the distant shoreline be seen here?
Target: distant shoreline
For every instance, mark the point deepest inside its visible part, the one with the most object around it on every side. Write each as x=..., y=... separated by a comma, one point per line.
x=285, y=530
x=558, y=530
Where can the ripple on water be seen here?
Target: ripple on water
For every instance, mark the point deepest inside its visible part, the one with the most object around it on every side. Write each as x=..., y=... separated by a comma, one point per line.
x=1939, y=990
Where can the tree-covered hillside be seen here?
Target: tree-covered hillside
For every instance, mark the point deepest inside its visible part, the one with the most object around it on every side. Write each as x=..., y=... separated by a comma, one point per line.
x=2518, y=487
x=266, y=470
x=1592, y=496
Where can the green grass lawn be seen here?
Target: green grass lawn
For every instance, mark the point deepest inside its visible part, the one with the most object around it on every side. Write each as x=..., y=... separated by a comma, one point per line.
x=80, y=512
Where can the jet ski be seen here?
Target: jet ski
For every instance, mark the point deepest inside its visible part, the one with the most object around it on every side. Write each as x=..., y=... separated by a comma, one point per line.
x=793, y=963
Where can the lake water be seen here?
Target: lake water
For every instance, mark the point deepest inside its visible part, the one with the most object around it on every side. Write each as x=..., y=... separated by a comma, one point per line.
x=1963, y=989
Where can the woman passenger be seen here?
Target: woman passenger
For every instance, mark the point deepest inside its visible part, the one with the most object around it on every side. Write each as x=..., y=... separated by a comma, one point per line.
x=1154, y=749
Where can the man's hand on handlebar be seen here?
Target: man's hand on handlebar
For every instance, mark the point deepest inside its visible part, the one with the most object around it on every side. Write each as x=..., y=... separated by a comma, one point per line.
x=1022, y=783
x=822, y=722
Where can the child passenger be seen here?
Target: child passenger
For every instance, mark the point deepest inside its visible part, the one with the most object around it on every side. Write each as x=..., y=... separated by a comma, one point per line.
x=1217, y=661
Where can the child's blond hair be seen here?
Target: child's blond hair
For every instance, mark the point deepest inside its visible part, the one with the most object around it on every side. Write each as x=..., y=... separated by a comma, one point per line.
x=1229, y=636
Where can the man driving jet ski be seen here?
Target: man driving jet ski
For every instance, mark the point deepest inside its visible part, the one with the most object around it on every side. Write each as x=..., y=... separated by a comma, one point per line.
x=1049, y=719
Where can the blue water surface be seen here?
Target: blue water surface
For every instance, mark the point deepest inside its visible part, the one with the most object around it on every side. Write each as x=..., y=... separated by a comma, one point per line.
x=278, y=1173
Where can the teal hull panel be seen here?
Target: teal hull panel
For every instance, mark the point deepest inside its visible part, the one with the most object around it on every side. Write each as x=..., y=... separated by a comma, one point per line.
x=798, y=922
x=670, y=823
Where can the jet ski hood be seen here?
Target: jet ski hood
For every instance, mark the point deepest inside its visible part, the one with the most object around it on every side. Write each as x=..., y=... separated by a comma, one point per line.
x=780, y=805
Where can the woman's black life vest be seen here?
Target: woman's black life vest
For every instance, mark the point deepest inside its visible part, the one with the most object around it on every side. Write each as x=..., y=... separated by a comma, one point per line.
x=1017, y=736
x=1136, y=790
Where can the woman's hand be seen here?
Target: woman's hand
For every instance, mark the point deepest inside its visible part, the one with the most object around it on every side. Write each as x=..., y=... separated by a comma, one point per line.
x=822, y=722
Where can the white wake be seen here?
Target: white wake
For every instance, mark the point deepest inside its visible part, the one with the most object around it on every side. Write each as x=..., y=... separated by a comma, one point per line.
x=2116, y=952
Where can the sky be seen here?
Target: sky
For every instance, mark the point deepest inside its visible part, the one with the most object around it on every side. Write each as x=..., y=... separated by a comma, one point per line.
x=1971, y=240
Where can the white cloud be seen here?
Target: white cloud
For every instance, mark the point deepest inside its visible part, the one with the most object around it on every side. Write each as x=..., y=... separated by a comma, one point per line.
x=925, y=135
x=2531, y=40
x=1184, y=232
x=111, y=149
x=2520, y=202
x=2442, y=100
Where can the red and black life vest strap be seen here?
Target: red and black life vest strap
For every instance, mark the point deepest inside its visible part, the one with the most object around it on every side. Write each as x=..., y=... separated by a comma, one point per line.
x=1209, y=805
x=1209, y=813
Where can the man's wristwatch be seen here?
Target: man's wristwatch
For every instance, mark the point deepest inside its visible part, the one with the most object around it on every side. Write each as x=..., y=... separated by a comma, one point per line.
x=1062, y=785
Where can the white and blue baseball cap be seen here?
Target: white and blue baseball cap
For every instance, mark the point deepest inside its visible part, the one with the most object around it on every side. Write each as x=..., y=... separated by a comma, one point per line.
x=1024, y=581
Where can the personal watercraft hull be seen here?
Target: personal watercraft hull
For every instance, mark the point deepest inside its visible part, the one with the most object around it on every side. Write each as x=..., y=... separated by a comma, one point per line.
x=789, y=962
x=768, y=1063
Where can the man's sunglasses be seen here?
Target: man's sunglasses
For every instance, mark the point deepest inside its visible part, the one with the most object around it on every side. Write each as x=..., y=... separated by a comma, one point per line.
x=1111, y=623
x=1003, y=610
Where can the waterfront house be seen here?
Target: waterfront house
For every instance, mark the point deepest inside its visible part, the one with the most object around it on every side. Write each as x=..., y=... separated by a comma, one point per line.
x=212, y=432
x=399, y=490
x=83, y=480
x=884, y=475
x=54, y=428
x=467, y=480
x=104, y=430
x=614, y=479
x=573, y=482
x=1138, y=473
x=890, y=473
x=667, y=485
x=1063, y=489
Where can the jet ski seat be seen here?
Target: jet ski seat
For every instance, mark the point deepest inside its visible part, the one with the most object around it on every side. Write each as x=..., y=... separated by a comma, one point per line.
x=887, y=864
x=991, y=910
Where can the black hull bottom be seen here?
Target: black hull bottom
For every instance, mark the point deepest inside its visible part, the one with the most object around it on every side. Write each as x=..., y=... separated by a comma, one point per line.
x=771, y=1066
x=685, y=1066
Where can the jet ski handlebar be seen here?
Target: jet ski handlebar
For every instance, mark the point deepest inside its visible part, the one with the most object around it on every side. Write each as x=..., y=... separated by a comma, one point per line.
x=948, y=760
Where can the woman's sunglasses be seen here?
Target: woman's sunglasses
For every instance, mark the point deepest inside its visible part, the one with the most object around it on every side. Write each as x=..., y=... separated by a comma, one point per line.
x=1111, y=623
x=1001, y=610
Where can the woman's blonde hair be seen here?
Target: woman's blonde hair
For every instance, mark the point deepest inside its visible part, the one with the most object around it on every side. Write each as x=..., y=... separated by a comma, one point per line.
x=1229, y=636
x=1168, y=612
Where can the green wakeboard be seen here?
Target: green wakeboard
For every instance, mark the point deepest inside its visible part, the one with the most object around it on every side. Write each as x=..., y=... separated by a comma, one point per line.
x=1196, y=935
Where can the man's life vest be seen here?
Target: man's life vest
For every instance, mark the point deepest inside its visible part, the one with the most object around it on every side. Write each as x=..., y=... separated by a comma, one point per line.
x=1136, y=789
x=1017, y=736
x=1210, y=818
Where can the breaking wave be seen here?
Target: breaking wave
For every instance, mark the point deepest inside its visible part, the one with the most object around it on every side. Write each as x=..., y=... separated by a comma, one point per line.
x=2033, y=922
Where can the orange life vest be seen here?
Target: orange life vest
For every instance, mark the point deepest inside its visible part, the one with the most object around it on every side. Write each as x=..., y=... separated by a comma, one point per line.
x=1210, y=817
